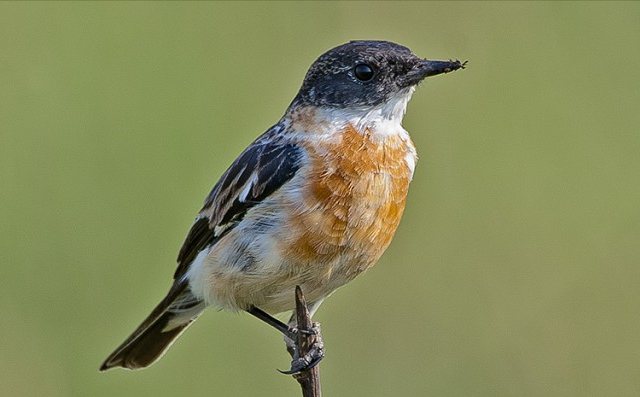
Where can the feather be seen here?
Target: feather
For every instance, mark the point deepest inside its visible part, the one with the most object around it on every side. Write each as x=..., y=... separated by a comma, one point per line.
x=266, y=165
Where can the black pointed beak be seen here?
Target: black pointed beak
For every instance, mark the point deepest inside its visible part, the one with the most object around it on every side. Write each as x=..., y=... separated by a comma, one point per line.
x=428, y=68
x=431, y=68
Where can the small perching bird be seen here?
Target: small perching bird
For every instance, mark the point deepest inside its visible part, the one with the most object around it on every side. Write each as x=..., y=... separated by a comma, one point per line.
x=312, y=202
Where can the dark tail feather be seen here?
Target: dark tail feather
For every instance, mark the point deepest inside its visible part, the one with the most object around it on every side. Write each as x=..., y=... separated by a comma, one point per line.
x=177, y=311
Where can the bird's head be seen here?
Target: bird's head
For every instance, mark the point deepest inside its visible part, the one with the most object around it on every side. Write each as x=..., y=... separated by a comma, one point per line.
x=366, y=73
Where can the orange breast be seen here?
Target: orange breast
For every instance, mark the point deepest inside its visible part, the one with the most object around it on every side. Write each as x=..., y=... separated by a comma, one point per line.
x=353, y=199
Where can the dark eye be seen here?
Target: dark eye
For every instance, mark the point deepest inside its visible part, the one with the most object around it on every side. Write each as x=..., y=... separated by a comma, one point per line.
x=363, y=72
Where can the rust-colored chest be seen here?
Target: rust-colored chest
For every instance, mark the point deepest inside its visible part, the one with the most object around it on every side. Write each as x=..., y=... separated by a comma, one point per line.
x=351, y=200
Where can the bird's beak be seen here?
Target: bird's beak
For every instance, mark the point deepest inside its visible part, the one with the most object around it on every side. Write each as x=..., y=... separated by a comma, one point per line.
x=428, y=68
x=431, y=68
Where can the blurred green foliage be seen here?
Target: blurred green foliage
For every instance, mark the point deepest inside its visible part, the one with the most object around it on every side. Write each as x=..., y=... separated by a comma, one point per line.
x=514, y=273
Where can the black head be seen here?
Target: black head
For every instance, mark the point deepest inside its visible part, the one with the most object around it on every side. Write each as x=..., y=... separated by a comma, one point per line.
x=365, y=73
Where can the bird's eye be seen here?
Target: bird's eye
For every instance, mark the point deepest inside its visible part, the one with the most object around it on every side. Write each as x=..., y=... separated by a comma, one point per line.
x=363, y=72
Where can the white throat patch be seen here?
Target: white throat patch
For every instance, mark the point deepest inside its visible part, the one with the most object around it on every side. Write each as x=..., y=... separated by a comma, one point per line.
x=382, y=120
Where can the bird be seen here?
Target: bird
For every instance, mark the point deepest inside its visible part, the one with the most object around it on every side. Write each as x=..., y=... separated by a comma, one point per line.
x=313, y=202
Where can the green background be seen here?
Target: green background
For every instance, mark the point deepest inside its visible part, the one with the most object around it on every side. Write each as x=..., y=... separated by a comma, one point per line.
x=514, y=272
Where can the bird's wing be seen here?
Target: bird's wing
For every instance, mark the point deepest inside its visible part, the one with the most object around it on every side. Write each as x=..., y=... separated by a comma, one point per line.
x=257, y=173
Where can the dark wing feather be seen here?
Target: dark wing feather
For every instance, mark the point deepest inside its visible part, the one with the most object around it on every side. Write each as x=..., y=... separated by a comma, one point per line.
x=257, y=173
x=199, y=237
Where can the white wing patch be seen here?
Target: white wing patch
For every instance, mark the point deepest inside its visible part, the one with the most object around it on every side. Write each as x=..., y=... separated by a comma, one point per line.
x=247, y=189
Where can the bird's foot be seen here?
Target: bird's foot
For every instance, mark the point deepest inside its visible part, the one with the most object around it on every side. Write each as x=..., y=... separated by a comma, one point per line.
x=314, y=349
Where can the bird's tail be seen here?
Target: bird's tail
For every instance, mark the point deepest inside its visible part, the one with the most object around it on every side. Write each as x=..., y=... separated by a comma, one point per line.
x=158, y=331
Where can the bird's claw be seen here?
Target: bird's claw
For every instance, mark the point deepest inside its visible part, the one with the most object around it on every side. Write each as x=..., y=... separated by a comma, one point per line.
x=306, y=362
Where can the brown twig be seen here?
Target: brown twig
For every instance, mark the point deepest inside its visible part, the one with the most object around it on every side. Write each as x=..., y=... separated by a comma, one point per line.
x=309, y=380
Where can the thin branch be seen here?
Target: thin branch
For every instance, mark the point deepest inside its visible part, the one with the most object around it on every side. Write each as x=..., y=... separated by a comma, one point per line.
x=309, y=380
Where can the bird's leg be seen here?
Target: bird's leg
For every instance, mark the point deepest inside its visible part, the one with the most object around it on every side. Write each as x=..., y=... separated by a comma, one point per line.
x=290, y=332
x=315, y=351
